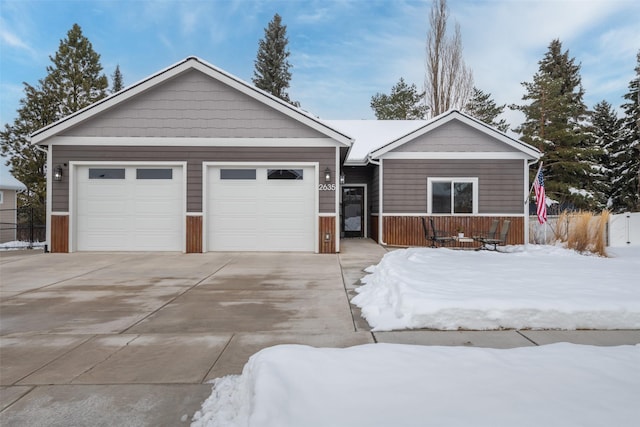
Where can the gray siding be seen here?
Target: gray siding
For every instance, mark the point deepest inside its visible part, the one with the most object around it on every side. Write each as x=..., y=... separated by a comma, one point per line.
x=500, y=183
x=457, y=137
x=374, y=192
x=194, y=156
x=193, y=105
x=8, y=216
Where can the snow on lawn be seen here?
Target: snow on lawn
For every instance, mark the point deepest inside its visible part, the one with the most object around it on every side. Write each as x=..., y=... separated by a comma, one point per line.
x=402, y=385
x=537, y=287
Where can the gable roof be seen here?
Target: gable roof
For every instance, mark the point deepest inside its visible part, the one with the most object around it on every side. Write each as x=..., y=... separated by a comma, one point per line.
x=447, y=117
x=7, y=180
x=190, y=63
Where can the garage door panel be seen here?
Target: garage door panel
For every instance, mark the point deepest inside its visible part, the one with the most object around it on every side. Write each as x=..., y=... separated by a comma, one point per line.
x=129, y=214
x=236, y=207
x=261, y=214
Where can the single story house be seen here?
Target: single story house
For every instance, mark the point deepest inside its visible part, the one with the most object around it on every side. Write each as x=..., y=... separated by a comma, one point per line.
x=9, y=188
x=194, y=159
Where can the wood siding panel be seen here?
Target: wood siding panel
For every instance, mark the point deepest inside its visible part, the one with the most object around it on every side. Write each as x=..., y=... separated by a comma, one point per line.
x=327, y=224
x=59, y=234
x=193, y=104
x=455, y=136
x=373, y=223
x=500, y=183
x=194, y=235
x=408, y=230
x=194, y=156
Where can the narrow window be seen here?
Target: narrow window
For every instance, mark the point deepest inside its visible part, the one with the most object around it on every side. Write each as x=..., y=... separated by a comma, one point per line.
x=441, y=193
x=154, y=173
x=295, y=174
x=462, y=197
x=237, y=174
x=106, y=173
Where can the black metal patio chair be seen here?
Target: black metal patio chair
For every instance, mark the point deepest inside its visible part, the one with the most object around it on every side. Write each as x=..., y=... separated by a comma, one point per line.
x=434, y=237
x=487, y=242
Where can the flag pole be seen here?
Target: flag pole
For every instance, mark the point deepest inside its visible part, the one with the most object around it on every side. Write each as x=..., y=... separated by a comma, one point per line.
x=533, y=183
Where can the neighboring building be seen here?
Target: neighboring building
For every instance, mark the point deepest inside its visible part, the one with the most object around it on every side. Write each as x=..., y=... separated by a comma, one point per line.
x=9, y=188
x=193, y=159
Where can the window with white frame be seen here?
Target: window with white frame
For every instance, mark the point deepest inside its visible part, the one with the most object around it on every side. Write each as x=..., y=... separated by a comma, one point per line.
x=1, y=197
x=453, y=196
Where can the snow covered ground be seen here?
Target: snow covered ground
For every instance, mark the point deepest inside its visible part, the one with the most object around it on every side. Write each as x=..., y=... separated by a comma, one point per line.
x=536, y=287
x=401, y=385
x=16, y=244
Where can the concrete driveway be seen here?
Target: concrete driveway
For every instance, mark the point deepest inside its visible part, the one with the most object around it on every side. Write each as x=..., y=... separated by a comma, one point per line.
x=132, y=339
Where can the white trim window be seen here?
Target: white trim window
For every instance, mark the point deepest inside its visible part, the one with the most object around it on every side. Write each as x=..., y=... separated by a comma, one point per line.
x=452, y=196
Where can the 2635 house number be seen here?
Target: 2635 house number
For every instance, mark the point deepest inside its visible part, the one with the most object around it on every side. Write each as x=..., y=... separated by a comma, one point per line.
x=327, y=187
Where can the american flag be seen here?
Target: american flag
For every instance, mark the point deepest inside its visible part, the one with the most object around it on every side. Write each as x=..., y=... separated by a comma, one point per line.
x=541, y=204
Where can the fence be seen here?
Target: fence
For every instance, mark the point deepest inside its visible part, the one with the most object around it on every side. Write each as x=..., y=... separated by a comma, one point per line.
x=624, y=229
x=19, y=228
x=621, y=230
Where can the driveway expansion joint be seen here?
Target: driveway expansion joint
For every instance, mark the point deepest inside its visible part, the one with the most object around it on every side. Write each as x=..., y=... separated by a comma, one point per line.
x=527, y=338
x=91, y=368
x=175, y=298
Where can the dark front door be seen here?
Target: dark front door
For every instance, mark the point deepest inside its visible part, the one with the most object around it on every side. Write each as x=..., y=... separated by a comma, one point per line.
x=353, y=211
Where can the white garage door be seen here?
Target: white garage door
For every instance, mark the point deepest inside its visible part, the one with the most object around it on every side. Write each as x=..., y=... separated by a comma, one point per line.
x=261, y=208
x=129, y=208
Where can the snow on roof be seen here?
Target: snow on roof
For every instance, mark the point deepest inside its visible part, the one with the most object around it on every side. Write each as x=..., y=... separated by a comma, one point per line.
x=370, y=135
x=7, y=181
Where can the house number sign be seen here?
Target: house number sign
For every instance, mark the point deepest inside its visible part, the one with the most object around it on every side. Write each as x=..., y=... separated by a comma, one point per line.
x=327, y=187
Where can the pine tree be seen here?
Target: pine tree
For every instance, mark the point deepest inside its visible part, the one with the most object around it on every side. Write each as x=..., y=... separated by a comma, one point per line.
x=626, y=155
x=485, y=109
x=75, y=75
x=117, y=81
x=404, y=103
x=556, y=123
x=271, y=72
x=73, y=82
x=27, y=164
x=606, y=128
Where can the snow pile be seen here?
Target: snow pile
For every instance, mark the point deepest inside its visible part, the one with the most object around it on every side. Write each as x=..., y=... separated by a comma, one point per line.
x=400, y=385
x=19, y=244
x=537, y=287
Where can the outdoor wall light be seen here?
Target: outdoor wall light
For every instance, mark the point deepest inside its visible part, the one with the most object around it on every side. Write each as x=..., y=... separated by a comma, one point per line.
x=327, y=175
x=342, y=178
x=57, y=173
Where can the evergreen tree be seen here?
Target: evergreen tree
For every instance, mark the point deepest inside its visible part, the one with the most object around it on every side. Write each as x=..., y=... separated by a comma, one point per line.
x=485, y=109
x=73, y=82
x=404, y=103
x=75, y=75
x=27, y=164
x=626, y=155
x=271, y=72
x=606, y=129
x=117, y=81
x=556, y=123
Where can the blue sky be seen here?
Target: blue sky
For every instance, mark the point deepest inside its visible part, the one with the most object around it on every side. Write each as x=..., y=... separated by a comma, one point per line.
x=342, y=51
